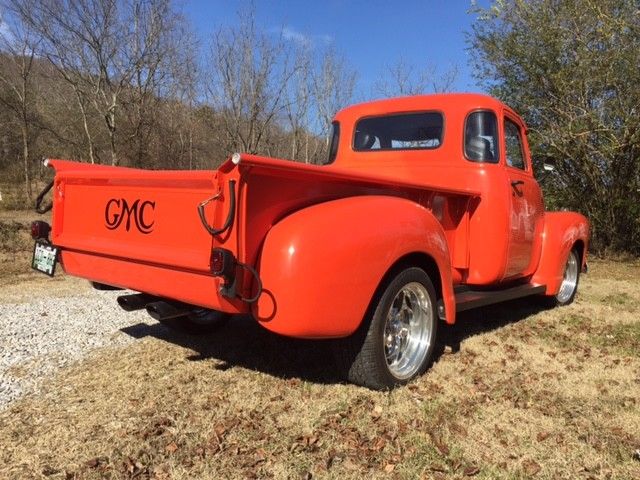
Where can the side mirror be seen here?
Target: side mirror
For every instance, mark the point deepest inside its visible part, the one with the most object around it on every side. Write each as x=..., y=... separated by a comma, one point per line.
x=548, y=165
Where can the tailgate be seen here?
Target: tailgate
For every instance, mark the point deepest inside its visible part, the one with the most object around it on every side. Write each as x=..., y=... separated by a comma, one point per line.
x=138, y=215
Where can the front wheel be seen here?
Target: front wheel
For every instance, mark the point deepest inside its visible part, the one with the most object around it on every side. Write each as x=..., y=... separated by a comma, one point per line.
x=570, y=280
x=399, y=335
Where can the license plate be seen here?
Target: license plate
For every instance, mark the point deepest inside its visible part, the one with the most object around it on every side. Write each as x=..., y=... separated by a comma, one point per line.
x=45, y=257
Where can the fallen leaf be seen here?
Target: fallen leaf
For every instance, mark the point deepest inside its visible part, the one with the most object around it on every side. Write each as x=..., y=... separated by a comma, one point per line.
x=128, y=465
x=219, y=429
x=389, y=467
x=542, y=436
x=531, y=468
x=259, y=457
x=459, y=429
x=377, y=412
x=48, y=471
x=442, y=447
x=471, y=470
x=172, y=447
x=333, y=458
x=379, y=444
x=436, y=467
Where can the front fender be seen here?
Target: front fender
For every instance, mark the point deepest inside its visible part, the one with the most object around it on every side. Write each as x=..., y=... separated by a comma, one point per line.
x=562, y=230
x=321, y=265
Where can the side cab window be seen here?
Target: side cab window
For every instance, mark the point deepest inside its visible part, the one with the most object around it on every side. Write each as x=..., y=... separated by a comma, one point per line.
x=513, y=145
x=333, y=144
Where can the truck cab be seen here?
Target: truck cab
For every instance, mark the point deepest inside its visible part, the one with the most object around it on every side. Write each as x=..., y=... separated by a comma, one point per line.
x=476, y=143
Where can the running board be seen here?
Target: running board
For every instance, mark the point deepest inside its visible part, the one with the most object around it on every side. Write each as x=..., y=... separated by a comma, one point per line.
x=467, y=298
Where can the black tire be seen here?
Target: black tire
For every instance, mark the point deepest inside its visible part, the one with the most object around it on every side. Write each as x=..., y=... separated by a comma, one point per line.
x=570, y=282
x=200, y=322
x=391, y=349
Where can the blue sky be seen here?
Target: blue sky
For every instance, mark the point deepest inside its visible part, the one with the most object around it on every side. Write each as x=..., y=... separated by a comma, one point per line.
x=369, y=33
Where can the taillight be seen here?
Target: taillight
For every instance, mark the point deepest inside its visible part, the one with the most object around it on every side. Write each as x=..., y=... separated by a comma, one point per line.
x=40, y=229
x=223, y=263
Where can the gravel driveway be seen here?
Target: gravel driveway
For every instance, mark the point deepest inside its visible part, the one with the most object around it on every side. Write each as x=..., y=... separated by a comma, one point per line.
x=40, y=336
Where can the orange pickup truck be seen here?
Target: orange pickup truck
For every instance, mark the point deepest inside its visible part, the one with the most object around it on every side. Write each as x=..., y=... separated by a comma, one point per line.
x=426, y=206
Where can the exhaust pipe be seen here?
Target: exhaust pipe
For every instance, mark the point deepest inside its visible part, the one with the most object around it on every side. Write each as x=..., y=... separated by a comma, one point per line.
x=136, y=301
x=166, y=311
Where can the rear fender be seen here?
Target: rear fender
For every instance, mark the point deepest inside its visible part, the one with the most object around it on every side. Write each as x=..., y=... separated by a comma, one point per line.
x=562, y=231
x=320, y=266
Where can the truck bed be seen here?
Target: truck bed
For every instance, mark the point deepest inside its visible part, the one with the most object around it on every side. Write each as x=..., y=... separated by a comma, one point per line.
x=140, y=229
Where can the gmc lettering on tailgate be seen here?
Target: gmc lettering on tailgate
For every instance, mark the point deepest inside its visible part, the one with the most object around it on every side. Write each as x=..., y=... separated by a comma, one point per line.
x=118, y=209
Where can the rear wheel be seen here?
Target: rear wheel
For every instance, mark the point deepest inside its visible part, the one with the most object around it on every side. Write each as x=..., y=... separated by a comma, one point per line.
x=200, y=321
x=397, y=341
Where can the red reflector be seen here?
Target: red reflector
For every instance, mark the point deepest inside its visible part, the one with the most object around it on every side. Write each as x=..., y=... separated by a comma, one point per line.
x=217, y=262
x=40, y=229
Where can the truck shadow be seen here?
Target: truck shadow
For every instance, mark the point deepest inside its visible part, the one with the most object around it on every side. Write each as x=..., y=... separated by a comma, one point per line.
x=243, y=343
x=487, y=319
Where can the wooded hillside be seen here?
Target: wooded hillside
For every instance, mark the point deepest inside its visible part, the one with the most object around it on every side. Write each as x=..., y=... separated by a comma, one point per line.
x=127, y=82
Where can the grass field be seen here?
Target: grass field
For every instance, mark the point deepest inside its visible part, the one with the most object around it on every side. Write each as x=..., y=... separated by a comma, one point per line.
x=519, y=392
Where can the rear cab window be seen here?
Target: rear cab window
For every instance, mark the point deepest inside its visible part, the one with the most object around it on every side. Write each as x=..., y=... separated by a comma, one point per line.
x=406, y=131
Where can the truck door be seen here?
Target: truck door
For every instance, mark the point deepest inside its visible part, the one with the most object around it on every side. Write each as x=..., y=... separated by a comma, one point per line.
x=525, y=200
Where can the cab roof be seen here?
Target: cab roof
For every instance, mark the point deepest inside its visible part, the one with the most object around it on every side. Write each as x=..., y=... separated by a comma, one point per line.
x=441, y=102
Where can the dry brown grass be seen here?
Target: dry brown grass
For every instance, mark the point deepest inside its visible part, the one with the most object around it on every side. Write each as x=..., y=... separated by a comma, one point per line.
x=522, y=393
x=16, y=246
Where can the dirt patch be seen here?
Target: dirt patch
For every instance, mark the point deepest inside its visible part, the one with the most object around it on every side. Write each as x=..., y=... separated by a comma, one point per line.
x=525, y=393
x=25, y=286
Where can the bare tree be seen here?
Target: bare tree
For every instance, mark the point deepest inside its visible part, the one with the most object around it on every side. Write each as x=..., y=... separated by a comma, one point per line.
x=298, y=104
x=180, y=89
x=18, y=49
x=249, y=73
x=161, y=50
x=403, y=78
x=100, y=47
x=333, y=85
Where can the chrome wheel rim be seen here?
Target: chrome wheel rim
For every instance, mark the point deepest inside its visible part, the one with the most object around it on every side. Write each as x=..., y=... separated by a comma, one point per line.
x=408, y=330
x=570, y=279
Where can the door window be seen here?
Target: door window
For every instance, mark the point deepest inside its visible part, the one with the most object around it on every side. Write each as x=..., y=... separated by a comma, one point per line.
x=515, y=157
x=480, y=137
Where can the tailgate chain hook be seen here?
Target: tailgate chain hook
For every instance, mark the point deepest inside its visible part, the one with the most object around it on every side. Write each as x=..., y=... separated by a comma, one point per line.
x=39, y=208
x=232, y=210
